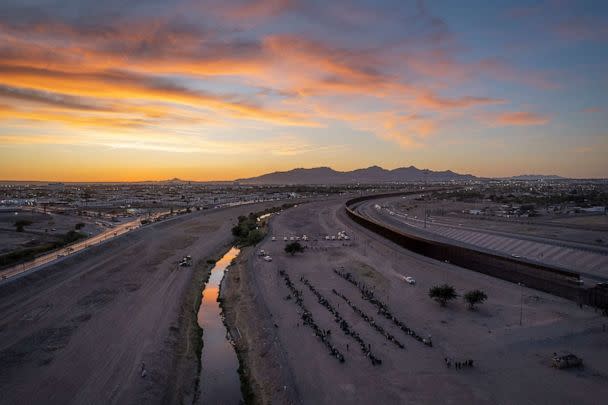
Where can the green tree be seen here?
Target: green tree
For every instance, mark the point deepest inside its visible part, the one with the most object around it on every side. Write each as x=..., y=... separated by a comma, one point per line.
x=475, y=297
x=254, y=237
x=442, y=293
x=293, y=248
x=79, y=225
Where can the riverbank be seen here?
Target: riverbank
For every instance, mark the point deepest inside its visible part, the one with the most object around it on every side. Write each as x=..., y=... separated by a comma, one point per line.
x=189, y=343
x=265, y=377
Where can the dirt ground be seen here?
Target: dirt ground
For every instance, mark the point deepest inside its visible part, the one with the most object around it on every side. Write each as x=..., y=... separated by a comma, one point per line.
x=78, y=331
x=263, y=364
x=511, y=362
x=44, y=228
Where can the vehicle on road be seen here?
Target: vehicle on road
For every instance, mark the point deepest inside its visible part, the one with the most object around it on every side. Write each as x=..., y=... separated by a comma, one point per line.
x=566, y=360
x=267, y=258
x=186, y=261
x=410, y=280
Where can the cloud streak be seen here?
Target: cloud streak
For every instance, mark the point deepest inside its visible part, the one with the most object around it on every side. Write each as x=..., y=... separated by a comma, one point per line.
x=520, y=118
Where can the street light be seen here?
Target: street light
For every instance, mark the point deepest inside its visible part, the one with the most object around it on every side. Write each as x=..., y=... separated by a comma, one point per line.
x=521, y=302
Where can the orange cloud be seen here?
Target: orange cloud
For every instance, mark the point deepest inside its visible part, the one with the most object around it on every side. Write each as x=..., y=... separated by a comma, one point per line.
x=592, y=110
x=121, y=85
x=432, y=101
x=113, y=69
x=519, y=118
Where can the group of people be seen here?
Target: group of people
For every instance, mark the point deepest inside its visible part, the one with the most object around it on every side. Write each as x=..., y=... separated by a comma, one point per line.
x=366, y=348
x=308, y=320
x=368, y=295
x=370, y=320
x=458, y=364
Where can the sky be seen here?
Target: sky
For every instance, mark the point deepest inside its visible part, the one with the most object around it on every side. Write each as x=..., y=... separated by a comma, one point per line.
x=218, y=90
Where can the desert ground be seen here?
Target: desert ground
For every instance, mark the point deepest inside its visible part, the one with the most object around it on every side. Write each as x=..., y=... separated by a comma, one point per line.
x=78, y=331
x=45, y=227
x=288, y=363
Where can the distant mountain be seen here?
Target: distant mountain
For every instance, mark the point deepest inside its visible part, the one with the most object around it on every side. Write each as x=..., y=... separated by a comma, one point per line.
x=370, y=175
x=534, y=177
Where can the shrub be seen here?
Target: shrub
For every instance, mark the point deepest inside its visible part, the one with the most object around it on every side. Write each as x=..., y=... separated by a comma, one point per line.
x=474, y=297
x=443, y=293
x=293, y=248
x=21, y=224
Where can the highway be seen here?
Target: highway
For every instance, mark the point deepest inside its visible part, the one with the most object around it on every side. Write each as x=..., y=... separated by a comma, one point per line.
x=590, y=261
x=47, y=258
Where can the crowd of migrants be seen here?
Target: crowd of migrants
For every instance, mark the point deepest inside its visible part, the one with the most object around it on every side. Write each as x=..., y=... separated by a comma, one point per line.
x=370, y=320
x=458, y=364
x=308, y=320
x=365, y=348
x=368, y=295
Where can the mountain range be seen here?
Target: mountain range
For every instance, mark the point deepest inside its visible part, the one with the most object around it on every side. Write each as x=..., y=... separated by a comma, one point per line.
x=370, y=175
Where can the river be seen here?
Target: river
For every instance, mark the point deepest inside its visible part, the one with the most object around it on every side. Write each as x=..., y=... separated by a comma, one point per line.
x=219, y=379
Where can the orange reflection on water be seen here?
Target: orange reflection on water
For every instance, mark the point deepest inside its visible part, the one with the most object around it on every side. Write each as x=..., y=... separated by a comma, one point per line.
x=209, y=311
x=210, y=294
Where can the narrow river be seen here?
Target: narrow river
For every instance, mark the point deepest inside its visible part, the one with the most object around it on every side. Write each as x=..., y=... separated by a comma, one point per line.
x=219, y=379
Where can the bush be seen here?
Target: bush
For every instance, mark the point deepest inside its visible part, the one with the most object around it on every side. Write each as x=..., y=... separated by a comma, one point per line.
x=474, y=297
x=443, y=293
x=72, y=236
x=21, y=224
x=293, y=248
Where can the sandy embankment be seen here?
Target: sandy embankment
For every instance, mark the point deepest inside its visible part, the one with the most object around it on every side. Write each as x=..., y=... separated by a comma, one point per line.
x=265, y=376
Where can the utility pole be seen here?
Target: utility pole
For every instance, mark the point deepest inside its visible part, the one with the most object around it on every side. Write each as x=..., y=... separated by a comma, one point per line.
x=521, y=303
x=425, y=213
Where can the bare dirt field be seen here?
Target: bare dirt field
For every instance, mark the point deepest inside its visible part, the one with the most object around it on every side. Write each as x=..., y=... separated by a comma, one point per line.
x=44, y=228
x=512, y=362
x=78, y=331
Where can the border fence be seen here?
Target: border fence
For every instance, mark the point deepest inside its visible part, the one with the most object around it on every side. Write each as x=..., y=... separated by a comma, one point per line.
x=546, y=278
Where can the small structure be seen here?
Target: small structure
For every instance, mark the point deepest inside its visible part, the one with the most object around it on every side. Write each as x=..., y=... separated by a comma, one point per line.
x=566, y=360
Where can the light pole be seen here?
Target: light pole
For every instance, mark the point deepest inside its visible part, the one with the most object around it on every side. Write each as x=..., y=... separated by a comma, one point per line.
x=521, y=302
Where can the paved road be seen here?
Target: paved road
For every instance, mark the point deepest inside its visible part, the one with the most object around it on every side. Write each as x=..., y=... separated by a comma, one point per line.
x=50, y=257
x=591, y=262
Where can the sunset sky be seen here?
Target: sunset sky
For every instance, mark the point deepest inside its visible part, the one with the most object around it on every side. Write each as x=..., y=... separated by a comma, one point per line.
x=215, y=90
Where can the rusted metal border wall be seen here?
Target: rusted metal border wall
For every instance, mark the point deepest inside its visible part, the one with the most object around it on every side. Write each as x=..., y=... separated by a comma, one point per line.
x=549, y=279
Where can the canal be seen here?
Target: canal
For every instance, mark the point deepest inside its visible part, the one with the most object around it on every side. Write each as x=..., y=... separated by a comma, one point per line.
x=219, y=379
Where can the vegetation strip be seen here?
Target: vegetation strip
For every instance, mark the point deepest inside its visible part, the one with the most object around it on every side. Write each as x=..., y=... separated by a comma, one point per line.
x=368, y=295
x=308, y=319
x=369, y=320
x=365, y=348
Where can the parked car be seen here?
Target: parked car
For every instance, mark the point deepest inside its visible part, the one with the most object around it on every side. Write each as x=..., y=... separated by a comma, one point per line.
x=410, y=280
